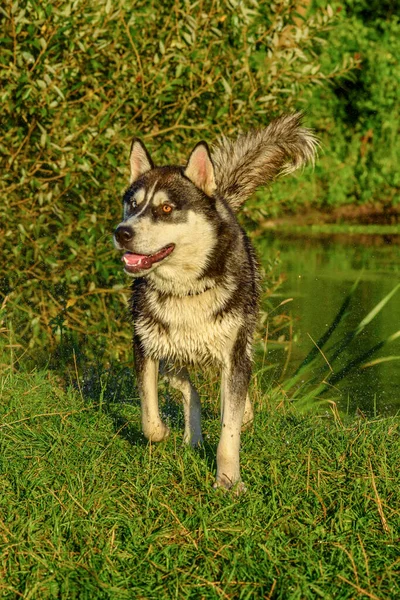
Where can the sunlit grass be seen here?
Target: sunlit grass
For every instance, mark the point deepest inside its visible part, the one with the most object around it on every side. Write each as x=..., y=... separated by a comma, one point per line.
x=90, y=510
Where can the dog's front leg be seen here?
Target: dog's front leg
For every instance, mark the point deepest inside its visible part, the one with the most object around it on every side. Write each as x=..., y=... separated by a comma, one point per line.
x=235, y=381
x=147, y=379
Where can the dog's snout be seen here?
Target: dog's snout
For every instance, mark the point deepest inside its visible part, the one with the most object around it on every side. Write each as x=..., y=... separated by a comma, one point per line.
x=123, y=234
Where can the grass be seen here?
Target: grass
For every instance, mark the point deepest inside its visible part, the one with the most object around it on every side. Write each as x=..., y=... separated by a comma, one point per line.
x=88, y=509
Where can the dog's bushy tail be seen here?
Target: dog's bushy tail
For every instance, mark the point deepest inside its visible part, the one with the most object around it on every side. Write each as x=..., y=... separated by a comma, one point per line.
x=259, y=156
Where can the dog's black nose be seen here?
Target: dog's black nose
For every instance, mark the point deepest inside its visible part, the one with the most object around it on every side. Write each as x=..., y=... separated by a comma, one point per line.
x=123, y=234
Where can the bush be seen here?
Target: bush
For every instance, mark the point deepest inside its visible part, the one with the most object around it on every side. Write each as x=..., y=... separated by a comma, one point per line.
x=358, y=119
x=78, y=80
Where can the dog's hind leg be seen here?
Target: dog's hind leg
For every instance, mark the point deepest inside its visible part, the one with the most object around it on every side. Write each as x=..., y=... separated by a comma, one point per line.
x=147, y=378
x=180, y=380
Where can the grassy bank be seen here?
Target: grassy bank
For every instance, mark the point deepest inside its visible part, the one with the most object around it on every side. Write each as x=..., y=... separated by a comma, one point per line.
x=89, y=510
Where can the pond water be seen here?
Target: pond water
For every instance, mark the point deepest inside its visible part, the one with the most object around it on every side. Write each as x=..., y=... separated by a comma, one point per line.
x=320, y=271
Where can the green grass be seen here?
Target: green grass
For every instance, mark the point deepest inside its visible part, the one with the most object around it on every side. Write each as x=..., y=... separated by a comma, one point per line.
x=88, y=509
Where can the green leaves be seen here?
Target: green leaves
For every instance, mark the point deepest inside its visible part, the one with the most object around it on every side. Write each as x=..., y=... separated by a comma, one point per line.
x=77, y=85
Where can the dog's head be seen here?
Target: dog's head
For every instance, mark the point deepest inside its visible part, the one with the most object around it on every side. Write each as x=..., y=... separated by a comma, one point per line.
x=169, y=216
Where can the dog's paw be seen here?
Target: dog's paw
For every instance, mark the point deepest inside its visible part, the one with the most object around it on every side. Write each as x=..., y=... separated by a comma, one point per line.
x=197, y=442
x=157, y=434
x=193, y=440
x=223, y=483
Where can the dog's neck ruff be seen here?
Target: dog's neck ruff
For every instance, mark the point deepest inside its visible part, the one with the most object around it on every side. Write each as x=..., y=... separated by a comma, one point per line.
x=180, y=294
x=197, y=293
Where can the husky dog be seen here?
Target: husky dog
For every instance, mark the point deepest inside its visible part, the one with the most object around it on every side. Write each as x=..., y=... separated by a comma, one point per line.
x=196, y=286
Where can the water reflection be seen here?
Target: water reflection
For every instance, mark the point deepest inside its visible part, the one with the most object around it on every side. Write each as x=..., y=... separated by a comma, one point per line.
x=320, y=271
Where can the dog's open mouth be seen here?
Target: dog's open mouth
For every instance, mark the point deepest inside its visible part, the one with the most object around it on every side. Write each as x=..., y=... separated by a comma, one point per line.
x=134, y=263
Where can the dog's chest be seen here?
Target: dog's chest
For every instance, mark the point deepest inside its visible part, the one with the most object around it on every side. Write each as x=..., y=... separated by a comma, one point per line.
x=192, y=329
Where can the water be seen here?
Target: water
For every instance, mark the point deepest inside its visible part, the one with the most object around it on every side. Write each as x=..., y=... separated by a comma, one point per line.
x=320, y=270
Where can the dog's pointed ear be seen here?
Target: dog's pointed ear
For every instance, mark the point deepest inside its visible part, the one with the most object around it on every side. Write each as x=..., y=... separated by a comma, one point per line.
x=200, y=169
x=140, y=161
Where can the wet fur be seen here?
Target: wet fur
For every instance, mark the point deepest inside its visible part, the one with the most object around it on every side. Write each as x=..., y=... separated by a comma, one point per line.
x=199, y=304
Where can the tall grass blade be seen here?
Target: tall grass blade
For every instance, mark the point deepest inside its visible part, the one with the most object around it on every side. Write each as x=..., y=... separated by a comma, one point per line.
x=371, y=315
x=380, y=360
x=349, y=337
x=315, y=350
x=361, y=326
x=336, y=377
x=332, y=379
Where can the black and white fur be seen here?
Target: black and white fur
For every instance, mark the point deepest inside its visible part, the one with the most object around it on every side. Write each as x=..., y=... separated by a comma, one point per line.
x=196, y=288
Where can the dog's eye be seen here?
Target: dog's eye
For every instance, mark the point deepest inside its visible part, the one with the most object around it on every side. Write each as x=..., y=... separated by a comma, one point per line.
x=166, y=208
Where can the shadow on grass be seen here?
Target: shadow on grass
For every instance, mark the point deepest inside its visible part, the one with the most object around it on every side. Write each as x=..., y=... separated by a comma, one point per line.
x=124, y=428
x=172, y=415
x=113, y=390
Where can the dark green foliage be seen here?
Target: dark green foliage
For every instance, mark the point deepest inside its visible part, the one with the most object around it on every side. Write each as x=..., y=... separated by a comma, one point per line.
x=78, y=81
x=358, y=118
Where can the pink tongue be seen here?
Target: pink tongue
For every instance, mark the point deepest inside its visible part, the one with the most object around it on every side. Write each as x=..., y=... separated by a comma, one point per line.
x=137, y=260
